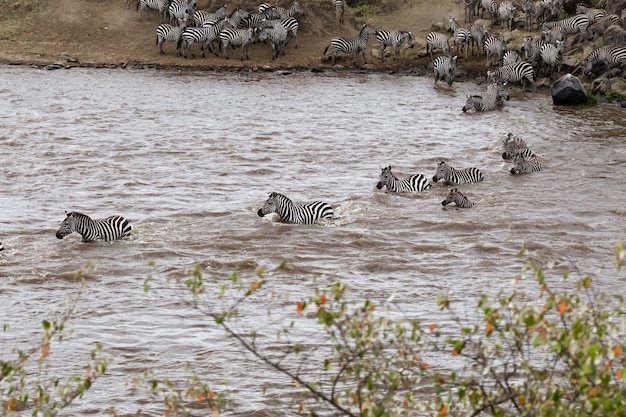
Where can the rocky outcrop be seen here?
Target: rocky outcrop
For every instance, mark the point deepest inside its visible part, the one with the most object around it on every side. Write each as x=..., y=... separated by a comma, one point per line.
x=568, y=91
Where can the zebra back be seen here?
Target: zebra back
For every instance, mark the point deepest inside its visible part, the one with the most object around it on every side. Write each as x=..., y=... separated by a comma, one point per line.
x=351, y=45
x=110, y=228
x=459, y=200
x=412, y=183
x=525, y=161
x=452, y=175
x=288, y=211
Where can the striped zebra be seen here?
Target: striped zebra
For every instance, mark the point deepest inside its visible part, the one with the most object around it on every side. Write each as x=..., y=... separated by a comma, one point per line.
x=552, y=57
x=612, y=55
x=203, y=35
x=436, y=40
x=457, y=176
x=462, y=36
x=291, y=26
x=351, y=45
x=492, y=7
x=592, y=13
x=506, y=12
x=513, y=144
x=160, y=5
x=411, y=184
x=237, y=37
x=478, y=35
x=340, y=8
x=495, y=96
x=111, y=228
x=166, y=32
x=521, y=72
x=510, y=58
x=277, y=36
x=273, y=12
x=181, y=11
x=201, y=16
x=553, y=35
x=459, y=200
x=495, y=47
x=570, y=25
x=1, y=247
x=599, y=28
x=290, y=212
x=445, y=68
x=394, y=39
x=534, y=13
x=522, y=163
x=468, y=7
x=532, y=50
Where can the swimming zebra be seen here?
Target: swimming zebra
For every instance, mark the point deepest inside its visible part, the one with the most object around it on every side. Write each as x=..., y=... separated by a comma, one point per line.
x=445, y=68
x=456, y=197
x=552, y=56
x=513, y=144
x=351, y=45
x=340, y=8
x=521, y=72
x=413, y=183
x=462, y=36
x=457, y=176
x=181, y=11
x=394, y=39
x=494, y=47
x=291, y=212
x=160, y=5
x=167, y=32
x=570, y=25
x=237, y=37
x=495, y=96
x=523, y=162
x=613, y=55
x=478, y=35
x=436, y=40
x=277, y=36
x=273, y=12
x=110, y=228
x=506, y=11
x=201, y=16
x=291, y=26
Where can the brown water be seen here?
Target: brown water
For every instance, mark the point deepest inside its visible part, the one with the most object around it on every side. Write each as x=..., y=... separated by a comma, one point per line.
x=190, y=158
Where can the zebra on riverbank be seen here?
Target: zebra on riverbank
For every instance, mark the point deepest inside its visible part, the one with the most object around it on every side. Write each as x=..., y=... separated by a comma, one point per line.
x=288, y=211
x=237, y=37
x=394, y=39
x=613, y=55
x=457, y=176
x=412, y=183
x=354, y=46
x=445, y=69
x=166, y=32
x=459, y=200
x=521, y=72
x=110, y=228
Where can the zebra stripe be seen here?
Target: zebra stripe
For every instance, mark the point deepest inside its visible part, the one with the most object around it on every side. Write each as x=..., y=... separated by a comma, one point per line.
x=511, y=145
x=291, y=212
x=394, y=39
x=277, y=36
x=592, y=13
x=1, y=247
x=478, y=35
x=492, y=7
x=532, y=50
x=201, y=16
x=570, y=25
x=436, y=40
x=110, y=228
x=506, y=11
x=521, y=72
x=204, y=35
x=510, y=58
x=290, y=24
x=352, y=45
x=613, y=55
x=495, y=47
x=237, y=37
x=160, y=5
x=459, y=200
x=340, y=7
x=273, y=12
x=169, y=33
x=445, y=68
x=462, y=36
x=412, y=183
x=524, y=162
x=534, y=13
x=493, y=97
x=457, y=176
x=181, y=11
x=552, y=56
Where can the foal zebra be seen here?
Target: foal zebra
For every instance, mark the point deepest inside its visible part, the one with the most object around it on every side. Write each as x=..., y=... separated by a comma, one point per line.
x=459, y=200
x=412, y=183
x=351, y=46
x=457, y=176
x=110, y=228
x=493, y=97
x=291, y=212
x=394, y=39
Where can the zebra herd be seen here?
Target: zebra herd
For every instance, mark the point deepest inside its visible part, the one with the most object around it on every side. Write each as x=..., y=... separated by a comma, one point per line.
x=514, y=150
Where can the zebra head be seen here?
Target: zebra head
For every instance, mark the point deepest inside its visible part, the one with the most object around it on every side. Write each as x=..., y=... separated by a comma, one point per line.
x=443, y=171
x=451, y=197
x=385, y=177
x=271, y=205
x=68, y=225
x=469, y=103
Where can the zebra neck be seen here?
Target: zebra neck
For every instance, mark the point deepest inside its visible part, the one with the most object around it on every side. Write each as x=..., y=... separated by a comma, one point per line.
x=287, y=211
x=87, y=228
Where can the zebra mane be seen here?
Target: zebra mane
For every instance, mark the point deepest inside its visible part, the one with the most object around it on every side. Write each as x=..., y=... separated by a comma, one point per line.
x=75, y=213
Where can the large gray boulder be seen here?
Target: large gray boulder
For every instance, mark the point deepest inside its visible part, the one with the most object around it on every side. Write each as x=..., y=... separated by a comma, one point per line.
x=568, y=91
